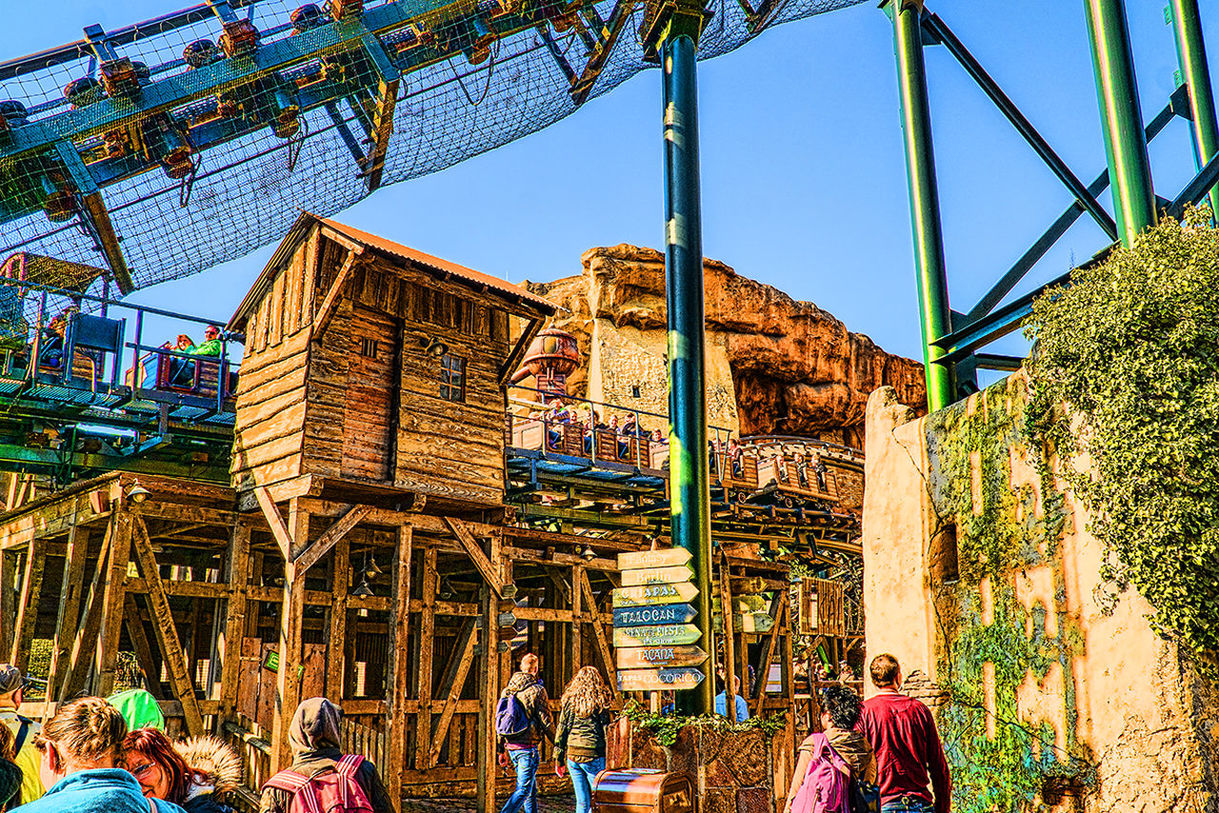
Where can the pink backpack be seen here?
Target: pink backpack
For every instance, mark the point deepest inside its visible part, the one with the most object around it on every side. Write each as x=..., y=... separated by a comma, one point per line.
x=328, y=791
x=827, y=784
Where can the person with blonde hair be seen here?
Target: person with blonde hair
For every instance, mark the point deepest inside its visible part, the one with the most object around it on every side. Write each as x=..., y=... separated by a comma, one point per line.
x=80, y=749
x=580, y=738
x=10, y=774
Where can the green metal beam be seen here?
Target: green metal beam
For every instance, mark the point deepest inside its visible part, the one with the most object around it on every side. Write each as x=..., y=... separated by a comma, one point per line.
x=689, y=479
x=1191, y=54
x=1121, y=118
x=935, y=316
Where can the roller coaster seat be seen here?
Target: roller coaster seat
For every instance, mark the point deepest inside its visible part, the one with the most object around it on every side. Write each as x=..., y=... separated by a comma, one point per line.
x=89, y=339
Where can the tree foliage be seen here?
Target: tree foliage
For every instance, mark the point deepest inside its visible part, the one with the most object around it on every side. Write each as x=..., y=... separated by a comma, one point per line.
x=1129, y=354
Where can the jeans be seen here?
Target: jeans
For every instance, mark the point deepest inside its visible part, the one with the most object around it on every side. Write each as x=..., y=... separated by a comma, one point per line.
x=907, y=804
x=582, y=776
x=525, y=760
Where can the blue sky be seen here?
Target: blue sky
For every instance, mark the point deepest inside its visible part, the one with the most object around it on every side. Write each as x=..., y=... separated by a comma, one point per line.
x=804, y=183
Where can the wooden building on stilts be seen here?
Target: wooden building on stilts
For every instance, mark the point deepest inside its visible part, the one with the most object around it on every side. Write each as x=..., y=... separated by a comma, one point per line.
x=365, y=548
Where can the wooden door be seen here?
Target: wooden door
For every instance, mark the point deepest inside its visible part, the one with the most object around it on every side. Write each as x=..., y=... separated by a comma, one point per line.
x=368, y=422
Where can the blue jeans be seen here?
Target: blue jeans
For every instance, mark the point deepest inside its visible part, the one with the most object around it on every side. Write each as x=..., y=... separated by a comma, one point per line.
x=907, y=804
x=582, y=776
x=525, y=760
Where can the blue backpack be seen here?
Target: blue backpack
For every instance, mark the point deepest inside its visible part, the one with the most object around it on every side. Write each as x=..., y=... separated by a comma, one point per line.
x=511, y=718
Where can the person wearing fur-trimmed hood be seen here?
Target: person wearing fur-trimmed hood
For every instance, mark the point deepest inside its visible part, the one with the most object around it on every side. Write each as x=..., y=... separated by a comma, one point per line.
x=215, y=770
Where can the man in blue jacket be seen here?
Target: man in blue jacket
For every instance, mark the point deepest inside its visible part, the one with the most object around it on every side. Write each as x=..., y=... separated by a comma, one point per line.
x=79, y=747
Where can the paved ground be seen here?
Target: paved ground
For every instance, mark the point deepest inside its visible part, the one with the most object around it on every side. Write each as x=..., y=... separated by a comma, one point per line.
x=546, y=804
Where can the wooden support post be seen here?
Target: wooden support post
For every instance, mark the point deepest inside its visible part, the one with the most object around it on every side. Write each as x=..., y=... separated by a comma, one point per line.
x=27, y=605
x=489, y=686
x=69, y=609
x=310, y=555
x=85, y=637
x=399, y=666
x=275, y=520
x=488, y=569
x=165, y=630
x=236, y=609
x=134, y=621
x=779, y=612
x=427, y=633
x=576, y=658
x=603, y=648
x=288, y=678
x=114, y=591
x=382, y=128
x=331, y=301
x=340, y=584
x=8, y=597
x=729, y=640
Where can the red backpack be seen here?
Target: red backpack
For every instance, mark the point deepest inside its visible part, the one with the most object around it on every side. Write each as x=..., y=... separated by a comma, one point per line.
x=327, y=791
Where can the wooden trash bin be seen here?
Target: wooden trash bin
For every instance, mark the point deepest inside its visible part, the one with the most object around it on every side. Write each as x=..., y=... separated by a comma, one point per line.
x=642, y=790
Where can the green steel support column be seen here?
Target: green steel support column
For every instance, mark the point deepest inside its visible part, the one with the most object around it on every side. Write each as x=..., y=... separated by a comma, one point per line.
x=934, y=315
x=1121, y=118
x=689, y=486
x=1191, y=54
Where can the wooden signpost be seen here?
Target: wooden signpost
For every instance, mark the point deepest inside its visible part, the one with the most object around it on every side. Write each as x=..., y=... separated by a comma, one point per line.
x=657, y=680
x=655, y=643
x=658, y=575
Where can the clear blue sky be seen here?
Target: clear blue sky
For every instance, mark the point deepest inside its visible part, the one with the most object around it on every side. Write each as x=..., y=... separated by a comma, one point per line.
x=804, y=182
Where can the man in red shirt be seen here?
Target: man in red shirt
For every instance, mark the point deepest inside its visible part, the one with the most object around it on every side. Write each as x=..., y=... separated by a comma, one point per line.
x=907, y=746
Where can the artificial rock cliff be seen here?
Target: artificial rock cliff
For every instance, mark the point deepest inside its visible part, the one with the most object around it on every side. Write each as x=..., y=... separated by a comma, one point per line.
x=775, y=365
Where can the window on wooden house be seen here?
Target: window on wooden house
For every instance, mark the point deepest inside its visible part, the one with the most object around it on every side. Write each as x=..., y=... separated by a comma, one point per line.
x=452, y=377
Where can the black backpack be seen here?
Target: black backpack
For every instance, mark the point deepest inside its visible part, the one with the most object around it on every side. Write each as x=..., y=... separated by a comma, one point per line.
x=864, y=797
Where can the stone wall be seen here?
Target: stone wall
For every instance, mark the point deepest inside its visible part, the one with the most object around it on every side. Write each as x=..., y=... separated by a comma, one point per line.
x=1051, y=690
x=774, y=365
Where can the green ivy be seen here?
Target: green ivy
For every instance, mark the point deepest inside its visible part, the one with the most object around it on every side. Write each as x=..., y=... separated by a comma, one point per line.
x=1131, y=348
x=667, y=727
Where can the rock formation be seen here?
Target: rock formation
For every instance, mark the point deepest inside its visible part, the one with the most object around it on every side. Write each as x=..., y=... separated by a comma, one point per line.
x=792, y=368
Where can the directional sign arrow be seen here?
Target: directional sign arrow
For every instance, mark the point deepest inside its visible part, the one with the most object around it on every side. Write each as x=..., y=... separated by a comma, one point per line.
x=652, y=680
x=656, y=636
x=659, y=656
x=667, y=557
x=662, y=614
x=749, y=622
x=646, y=594
x=657, y=575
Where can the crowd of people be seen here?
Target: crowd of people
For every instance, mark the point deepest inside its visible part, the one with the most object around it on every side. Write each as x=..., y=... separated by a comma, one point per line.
x=113, y=755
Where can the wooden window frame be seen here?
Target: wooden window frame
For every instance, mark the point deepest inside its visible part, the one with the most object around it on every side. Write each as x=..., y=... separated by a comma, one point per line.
x=453, y=378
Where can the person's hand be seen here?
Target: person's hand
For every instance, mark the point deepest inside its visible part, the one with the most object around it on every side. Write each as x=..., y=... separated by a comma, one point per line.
x=503, y=759
x=560, y=769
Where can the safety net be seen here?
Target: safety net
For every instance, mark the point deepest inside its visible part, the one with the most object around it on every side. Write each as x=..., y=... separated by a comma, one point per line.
x=158, y=150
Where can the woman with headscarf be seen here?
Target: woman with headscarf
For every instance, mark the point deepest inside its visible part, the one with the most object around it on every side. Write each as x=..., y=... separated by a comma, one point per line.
x=318, y=762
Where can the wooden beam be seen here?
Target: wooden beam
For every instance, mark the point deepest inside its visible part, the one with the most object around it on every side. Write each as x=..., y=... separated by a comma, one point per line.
x=488, y=682
x=729, y=641
x=399, y=665
x=279, y=528
x=576, y=641
x=69, y=606
x=166, y=631
x=489, y=571
x=139, y=644
x=427, y=630
x=96, y=210
x=238, y=573
x=90, y=620
x=8, y=597
x=288, y=679
x=27, y=604
x=767, y=655
x=342, y=239
x=114, y=591
x=607, y=657
x=322, y=545
x=382, y=129
x=340, y=583
x=454, y=681
x=331, y=302
x=513, y=361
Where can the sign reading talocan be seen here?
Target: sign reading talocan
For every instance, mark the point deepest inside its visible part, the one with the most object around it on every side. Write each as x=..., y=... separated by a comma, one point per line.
x=655, y=643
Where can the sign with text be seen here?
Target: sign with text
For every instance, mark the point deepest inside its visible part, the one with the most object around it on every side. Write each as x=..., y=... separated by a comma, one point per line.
x=651, y=657
x=659, y=593
x=661, y=614
x=653, y=680
x=667, y=557
x=657, y=575
x=656, y=636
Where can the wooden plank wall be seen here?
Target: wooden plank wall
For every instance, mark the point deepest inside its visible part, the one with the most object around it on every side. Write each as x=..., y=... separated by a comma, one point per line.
x=271, y=389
